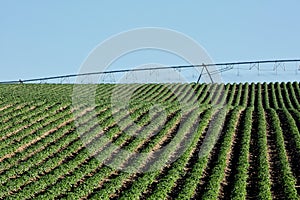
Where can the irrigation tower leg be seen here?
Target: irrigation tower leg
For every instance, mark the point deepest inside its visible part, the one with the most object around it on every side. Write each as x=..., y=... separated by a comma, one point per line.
x=200, y=75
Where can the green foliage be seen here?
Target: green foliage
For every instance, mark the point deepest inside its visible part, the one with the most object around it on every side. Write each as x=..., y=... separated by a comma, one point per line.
x=43, y=140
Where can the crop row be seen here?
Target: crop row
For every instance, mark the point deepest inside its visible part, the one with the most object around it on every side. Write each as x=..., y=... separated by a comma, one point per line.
x=169, y=141
x=119, y=159
x=66, y=167
x=286, y=178
x=106, y=153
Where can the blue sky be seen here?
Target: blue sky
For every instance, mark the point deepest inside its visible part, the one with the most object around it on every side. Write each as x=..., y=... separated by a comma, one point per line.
x=45, y=38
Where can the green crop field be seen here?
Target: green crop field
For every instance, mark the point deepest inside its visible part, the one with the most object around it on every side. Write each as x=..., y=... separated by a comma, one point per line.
x=51, y=148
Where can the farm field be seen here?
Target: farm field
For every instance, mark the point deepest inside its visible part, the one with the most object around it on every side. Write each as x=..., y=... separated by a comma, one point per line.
x=250, y=134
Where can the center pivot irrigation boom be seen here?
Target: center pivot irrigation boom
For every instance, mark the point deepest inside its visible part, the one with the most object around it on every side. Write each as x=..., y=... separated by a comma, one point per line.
x=220, y=67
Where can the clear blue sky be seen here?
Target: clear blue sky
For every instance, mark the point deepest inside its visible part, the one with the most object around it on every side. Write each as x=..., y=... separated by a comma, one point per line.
x=45, y=38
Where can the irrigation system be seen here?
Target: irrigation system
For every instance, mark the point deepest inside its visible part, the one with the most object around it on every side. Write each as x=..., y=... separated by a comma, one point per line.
x=204, y=69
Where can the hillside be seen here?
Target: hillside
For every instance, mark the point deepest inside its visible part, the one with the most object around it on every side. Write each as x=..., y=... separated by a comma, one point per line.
x=193, y=141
